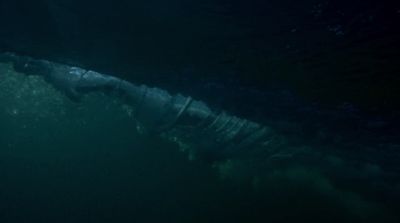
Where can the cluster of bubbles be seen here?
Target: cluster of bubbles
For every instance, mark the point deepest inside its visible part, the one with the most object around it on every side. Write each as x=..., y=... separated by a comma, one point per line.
x=31, y=96
x=30, y=101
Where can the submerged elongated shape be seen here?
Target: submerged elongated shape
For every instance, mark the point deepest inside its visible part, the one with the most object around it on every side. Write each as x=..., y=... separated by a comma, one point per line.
x=216, y=134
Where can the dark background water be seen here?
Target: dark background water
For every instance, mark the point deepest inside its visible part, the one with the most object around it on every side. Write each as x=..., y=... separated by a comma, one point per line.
x=324, y=73
x=329, y=51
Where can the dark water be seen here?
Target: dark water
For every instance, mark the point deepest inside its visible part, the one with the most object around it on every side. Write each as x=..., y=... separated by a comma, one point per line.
x=323, y=74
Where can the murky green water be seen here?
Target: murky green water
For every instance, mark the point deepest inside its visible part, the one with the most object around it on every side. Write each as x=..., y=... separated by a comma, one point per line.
x=62, y=161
